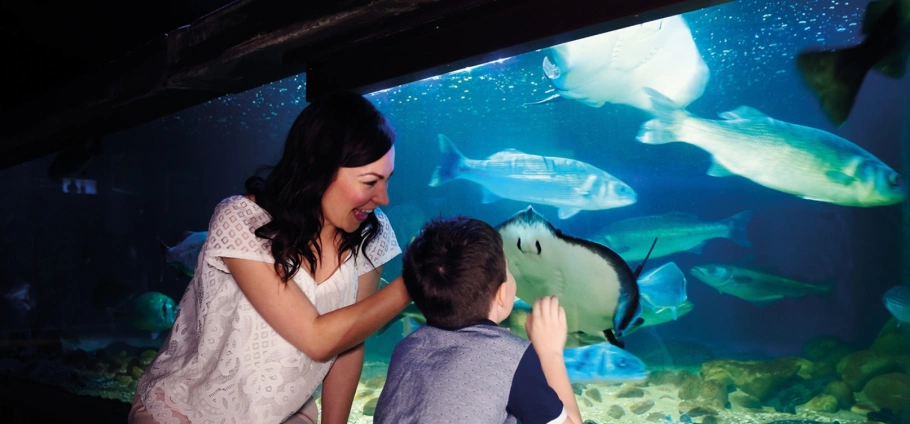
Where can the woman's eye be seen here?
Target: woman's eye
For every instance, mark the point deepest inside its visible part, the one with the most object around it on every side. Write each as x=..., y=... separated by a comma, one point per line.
x=370, y=183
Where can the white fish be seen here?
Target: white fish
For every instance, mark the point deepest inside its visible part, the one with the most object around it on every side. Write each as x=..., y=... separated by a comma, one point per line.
x=594, y=285
x=803, y=161
x=614, y=67
x=568, y=184
x=897, y=301
x=678, y=232
x=756, y=287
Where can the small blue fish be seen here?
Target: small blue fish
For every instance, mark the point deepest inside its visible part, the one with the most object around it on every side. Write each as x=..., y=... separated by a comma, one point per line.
x=663, y=288
x=897, y=301
x=603, y=362
x=185, y=254
x=568, y=184
x=151, y=311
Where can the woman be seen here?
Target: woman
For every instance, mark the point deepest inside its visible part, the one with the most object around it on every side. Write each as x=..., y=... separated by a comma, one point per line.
x=266, y=319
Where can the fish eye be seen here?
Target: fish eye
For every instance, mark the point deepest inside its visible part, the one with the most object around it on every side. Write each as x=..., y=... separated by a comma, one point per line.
x=896, y=180
x=519, y=244
x=537, y=243
x=622, y=362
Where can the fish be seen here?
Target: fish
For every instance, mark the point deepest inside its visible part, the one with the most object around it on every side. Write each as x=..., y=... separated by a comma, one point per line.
x=603, y=363
x=651, y=317
x=569, y=185
x=795, y=159
x=20, y=297
x=753, y=286
x=678, y=232
x=897, y=301
x=663, y=288
x=185, y=254
x=615, y=66
x=151, y=311
x=95, y=343
x=836, y=76
x=595, y=286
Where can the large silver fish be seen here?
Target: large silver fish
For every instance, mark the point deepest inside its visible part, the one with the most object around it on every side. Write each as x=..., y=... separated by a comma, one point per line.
x=678, y=232
x=803, y=161
x=616, y=66
x=753, y=286
x=594, y=285
x=568, y=184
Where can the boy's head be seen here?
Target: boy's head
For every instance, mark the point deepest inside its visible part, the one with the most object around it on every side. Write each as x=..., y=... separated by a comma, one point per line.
x=455, y=271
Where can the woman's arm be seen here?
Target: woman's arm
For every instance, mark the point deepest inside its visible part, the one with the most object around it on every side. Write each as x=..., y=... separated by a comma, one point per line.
x=340, y=384
x=291, y=314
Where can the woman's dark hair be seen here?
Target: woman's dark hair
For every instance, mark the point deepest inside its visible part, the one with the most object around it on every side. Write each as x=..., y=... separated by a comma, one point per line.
x=452, y=270
x=338, y=130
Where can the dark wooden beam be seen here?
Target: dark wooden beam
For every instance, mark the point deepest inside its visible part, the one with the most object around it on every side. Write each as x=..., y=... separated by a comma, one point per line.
x=359, y=44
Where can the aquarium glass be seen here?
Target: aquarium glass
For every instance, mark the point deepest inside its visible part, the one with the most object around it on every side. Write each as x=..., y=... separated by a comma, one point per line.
x=779, y=271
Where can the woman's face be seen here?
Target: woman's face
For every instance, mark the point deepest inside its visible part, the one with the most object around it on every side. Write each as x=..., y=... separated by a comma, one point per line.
x=355, y=192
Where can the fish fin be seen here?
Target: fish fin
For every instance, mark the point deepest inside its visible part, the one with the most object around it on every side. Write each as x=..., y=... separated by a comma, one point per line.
x=743, y=112
x=451, y=163
x=186, y=233
x=551, y=99
x=661, y=129
x=612, y=339
x=644, y=261
x=488, y=196
x=164, y=247
x=835, y=78
x=840, y=178
x=738, y=225
x=718, y=170
x=673, y=311
x=621, y=249
x=875, y=11
x=892, y=65
x=566, y=213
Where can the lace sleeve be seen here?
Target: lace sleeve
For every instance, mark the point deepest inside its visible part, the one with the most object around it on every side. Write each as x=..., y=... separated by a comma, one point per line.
x=383, y=248
x=231, y=233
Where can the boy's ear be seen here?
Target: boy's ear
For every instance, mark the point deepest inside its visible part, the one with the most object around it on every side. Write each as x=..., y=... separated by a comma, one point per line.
x=501, y=294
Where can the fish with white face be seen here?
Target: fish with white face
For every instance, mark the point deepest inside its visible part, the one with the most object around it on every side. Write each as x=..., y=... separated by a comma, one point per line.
x=616, y=66
x=594, y=285
x=795, y=159
x=569, y=185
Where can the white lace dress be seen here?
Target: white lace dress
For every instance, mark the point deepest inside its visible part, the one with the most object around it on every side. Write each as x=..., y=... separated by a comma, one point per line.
x=221, y=362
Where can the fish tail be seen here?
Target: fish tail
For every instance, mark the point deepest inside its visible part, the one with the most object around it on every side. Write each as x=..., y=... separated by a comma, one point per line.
x=164, y=247
x=451, y=165
x=739, y=228
x=835, y=77
x=661, y=129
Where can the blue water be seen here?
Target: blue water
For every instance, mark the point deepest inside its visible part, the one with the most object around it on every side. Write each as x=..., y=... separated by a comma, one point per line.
x=164, y=177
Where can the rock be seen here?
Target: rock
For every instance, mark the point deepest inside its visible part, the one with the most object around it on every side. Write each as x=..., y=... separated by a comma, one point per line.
x=641, y=406
x=711, y=419
x=857, y=368
x=715, y=391
x=890, y=391
x=691, y=388
x=136, y=372
x=757, y=378
x=590, y=422
x=892, y=339
x=745, y=400
x=594, y=394
x=823, y=403
x=695, y=409
x=586, y=402
x=826, y=349
x=842, y=392
x=656, y=417
x=147, y=356
x=903, y=363
x=616, y=411
x=630, y=392
x=376, y=382
x=662, y=377
x=369, y=408
x=578, y=388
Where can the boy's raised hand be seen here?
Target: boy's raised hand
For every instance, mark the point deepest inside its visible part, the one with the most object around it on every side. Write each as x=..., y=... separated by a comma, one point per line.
x=546, y=326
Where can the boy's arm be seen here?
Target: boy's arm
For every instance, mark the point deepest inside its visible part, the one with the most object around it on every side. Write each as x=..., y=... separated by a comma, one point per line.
x=547, y=330
x=340, y=384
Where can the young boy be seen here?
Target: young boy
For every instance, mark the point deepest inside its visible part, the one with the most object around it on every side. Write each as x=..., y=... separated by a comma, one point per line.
x=462, y=367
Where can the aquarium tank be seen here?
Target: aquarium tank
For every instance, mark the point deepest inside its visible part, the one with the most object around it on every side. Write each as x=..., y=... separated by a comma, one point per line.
x=755, y=187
